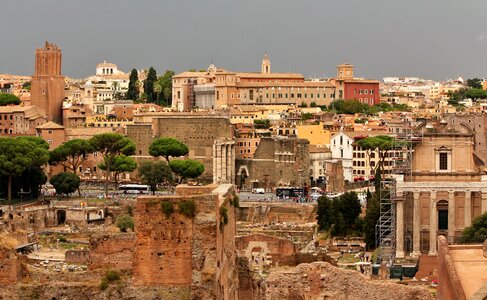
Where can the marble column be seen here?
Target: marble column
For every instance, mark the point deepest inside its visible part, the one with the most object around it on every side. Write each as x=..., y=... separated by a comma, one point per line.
x=451, y=217
x=484, y=202
x=467, y=209
x=433, y=223
x=400, y=227
x=416, y=225
x=233, y=164
x=224, y=162
x=215, y=162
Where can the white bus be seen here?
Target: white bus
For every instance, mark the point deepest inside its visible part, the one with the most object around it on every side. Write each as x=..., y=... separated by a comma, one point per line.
x=134, y=188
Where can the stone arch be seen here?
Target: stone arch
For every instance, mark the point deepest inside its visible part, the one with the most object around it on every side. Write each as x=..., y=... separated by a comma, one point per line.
x=243, y=171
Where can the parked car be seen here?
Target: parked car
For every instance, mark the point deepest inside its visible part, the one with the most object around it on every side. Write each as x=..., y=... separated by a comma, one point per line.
x=258, y=191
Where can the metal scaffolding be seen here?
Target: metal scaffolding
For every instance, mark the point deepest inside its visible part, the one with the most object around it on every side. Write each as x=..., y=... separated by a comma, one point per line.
x=385, y=230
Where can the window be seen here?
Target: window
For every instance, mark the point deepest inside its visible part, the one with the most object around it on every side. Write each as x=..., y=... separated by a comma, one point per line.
x=341, y=152
x=443, y=161
x=341, y=140
x=49, y=141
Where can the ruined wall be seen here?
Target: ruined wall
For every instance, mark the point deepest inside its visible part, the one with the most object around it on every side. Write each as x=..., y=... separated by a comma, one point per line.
x=164, y=244
x=276, y=162
x=77, y=256
x=320, y=280
x=269, y=212
x=112, y=251
x=198, y=132
x=9, y=266
x=182, y=252
x=259, y=246
x=449, y=285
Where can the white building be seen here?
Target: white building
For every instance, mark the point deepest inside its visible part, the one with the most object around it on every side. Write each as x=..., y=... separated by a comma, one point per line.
x=342, y=149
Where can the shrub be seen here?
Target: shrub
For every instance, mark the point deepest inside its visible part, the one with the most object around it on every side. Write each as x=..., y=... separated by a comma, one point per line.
x=187, y=208
x=124, y=222
x=167, y=208
x=234, y=201
x=109, y=277
x=223, y=216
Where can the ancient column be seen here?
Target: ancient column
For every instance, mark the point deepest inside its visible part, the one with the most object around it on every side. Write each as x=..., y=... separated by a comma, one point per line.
x=433, y=223
x=416, y=225
x=223, y=173
x=484, y=202
x=215, y=161
x=451, y=217
x=233, y=164
x=400, y=227
x=467, y=207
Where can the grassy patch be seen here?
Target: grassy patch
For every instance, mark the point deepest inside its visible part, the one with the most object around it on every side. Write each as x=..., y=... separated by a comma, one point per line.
x=187, y=208
x=109, y=277
x=223, y=216
x=167, y=208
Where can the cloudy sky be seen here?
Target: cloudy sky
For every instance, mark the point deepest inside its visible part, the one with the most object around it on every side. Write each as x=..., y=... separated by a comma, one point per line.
x=436, y=39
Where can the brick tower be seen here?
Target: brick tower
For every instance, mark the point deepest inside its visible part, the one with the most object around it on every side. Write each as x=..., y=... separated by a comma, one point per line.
x=47, y=85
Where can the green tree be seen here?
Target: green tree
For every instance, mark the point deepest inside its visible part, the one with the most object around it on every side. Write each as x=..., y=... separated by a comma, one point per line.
x=71, y=154
x=109, y=145
x=340, y=215
x=121, y=164
x=348, y=107
x=167, y=147
x=133, y=89
x=154, y=173
x=313, y=104
x=8, y=99
x=476, y=94
x=371, y=219
x=149, y=85
x=26, y=85
x=157, y=91
x=477, y=232
x=306, y=116
x=381, y=144
x=304, y=104
x=124, y=222
x=324, y=216
x=474, y=83
x=18, y=154
x=187, y=168
x=165, y=81
x=65, y=183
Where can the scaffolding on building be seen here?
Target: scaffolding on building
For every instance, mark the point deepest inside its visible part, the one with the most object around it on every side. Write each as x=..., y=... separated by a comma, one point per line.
x=385, y=230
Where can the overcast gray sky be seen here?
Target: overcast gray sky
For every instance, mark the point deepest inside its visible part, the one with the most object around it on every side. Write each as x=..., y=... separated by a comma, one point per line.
x=436, y=39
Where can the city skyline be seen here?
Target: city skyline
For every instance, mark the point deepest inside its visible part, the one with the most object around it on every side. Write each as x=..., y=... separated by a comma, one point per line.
x=381, y=39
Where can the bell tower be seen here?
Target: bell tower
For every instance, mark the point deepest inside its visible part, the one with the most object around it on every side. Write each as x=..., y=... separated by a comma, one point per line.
x=47, y=84
x=266, y=65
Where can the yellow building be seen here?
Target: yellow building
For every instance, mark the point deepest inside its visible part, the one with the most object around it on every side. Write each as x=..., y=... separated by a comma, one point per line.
x=315, y=134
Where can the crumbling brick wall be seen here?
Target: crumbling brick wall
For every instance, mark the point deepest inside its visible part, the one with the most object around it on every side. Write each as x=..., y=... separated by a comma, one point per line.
x=183, y=252
x=320, y=280
x=163, y=246
x=282, y=251
x=77, y=256
x=449, y=287
x=9, y=266
x=112, y=251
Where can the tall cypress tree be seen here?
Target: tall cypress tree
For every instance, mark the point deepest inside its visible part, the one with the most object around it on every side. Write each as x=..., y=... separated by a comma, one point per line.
x=133, y=91
x=149, y=85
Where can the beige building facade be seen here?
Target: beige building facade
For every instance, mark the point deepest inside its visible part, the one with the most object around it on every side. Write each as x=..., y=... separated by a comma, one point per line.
x=446, y=190
x=218, y=88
